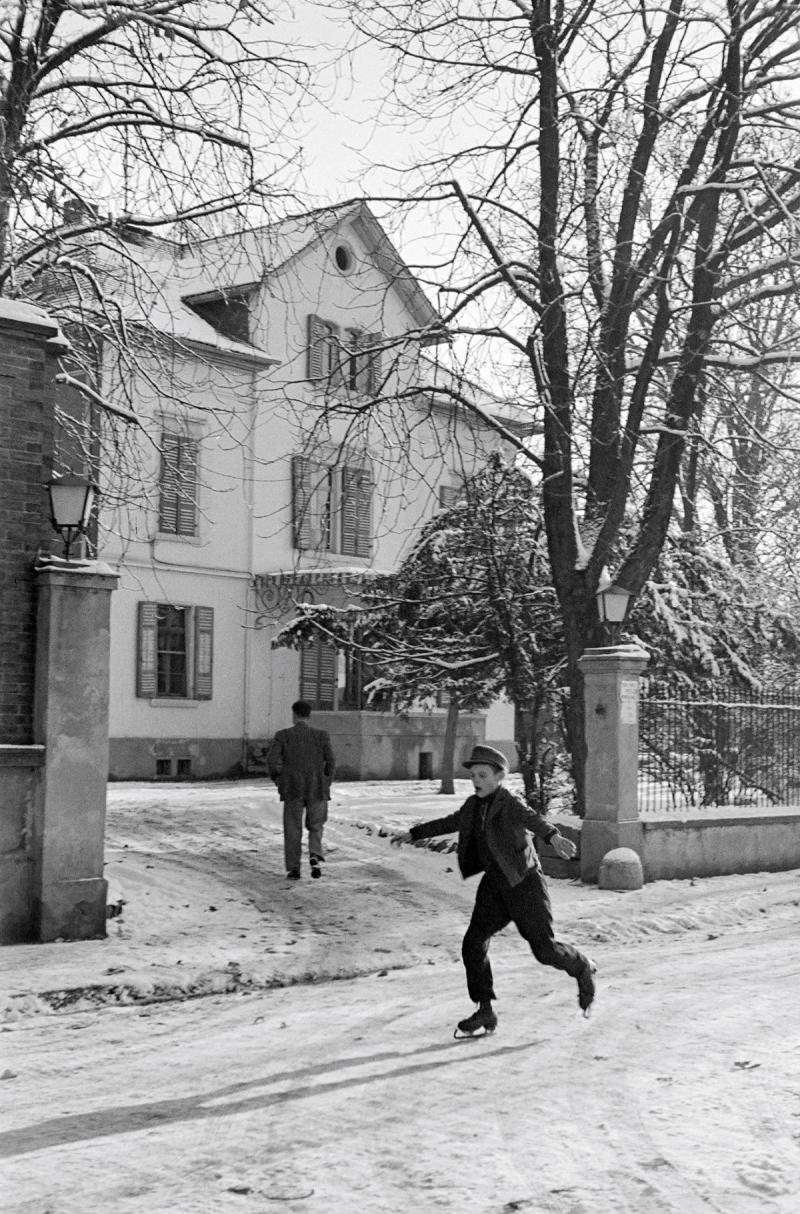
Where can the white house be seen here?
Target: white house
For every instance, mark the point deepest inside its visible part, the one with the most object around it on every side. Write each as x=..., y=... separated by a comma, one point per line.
x=247, y=492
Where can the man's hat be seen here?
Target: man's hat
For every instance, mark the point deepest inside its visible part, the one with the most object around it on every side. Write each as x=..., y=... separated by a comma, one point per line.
x=487, y=754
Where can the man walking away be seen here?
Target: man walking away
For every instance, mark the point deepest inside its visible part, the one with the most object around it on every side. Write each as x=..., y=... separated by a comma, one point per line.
x=301, y=762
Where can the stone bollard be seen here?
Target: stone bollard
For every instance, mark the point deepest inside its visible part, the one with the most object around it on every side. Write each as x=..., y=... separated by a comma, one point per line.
x=620, y=869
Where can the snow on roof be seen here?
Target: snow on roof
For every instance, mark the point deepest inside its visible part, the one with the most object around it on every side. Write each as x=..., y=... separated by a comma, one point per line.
x=155, y=281
x=248, y=257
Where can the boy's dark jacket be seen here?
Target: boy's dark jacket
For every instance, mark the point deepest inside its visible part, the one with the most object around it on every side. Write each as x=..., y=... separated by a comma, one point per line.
x=509, y=826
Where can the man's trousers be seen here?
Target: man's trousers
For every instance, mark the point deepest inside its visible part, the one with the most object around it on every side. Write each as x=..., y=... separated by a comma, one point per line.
x=527, y=906
x=316, y=815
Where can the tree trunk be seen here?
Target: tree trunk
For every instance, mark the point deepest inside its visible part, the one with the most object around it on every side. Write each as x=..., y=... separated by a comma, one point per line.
x=447, y=785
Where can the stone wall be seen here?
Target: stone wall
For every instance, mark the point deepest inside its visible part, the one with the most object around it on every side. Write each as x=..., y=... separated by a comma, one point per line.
x=717, y=843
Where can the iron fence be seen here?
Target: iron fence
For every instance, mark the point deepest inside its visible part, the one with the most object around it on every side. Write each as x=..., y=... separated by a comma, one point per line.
x=718, y=748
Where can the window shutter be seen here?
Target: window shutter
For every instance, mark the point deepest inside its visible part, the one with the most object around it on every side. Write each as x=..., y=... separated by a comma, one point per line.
x=301, y=500
x=336, y=356
x=147, y=650
x=308, y=672
x=316, y=348
x=327, y=676
x=318, y=674
x=356, y=512
x=178, y=485
x=374, y=342
x=168, y=501
x=187, y=487
x=203, y=652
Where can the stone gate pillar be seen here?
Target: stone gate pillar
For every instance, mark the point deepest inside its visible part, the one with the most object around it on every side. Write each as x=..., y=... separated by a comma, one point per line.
x=71, y=721
x=611, y=699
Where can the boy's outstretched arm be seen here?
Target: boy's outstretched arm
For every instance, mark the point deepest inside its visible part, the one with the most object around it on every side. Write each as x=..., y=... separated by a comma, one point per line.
x=428, y=830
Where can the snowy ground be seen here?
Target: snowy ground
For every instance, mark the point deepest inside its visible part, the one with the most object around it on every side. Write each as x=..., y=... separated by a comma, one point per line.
x=118, y=1091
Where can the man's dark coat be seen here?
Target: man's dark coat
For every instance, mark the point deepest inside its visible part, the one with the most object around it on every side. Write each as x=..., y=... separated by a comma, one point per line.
x=301, y=762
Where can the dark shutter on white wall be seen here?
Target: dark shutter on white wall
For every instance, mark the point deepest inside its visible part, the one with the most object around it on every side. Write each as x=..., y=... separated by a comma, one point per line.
x=177, y=513
x=301, y=500
x=327, y=361
x=356, y=512
x=316, y=348
x=308, y=672
x=187, y=488
x=318, y=674
x=147, y=650
x=374, y=342
x=203, y=652
x=168, y=500
x=326, y=698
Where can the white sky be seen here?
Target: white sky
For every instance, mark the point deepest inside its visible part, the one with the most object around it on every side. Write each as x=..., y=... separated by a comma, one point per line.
x=341, y=132
x=351, y=145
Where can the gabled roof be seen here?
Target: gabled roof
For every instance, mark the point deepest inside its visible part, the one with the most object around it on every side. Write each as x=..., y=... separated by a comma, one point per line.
x=153, y=281
x=240, y=260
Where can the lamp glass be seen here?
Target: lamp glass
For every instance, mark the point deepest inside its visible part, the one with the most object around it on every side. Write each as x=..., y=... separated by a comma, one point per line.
x=71, y=500
x=612, y=604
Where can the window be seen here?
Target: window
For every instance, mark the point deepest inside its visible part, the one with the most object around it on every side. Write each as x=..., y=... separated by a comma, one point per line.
x=349, y=358
x=173, y=769
x=171, y=651
x=318, y=662
x=174, y=652
x=343, y=257
x=177, y=512
x=324, y=351
x=358, y=674
x=228, y=314
x=362, y=362
x=332, y=507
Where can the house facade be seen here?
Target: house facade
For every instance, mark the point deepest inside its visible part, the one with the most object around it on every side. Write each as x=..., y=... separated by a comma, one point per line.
x=291, y=441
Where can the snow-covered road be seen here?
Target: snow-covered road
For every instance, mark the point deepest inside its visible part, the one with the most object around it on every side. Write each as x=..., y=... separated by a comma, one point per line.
x=681, y=1094
x=304, y=1090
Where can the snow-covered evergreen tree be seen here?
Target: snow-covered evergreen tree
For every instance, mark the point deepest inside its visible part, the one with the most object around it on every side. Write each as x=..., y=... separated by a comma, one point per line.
x=469, y=614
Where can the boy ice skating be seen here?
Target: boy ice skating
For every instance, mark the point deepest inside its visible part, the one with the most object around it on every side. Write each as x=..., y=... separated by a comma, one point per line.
x=494, y=837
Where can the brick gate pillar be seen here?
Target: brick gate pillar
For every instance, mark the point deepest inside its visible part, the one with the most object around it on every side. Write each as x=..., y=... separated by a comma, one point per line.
x=30, y=343
x=611, y=701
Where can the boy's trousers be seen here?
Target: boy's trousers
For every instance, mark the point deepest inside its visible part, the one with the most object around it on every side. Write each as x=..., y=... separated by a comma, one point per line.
x=527, y=906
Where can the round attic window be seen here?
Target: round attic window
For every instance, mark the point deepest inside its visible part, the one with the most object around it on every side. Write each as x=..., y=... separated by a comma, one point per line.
x=343, y=256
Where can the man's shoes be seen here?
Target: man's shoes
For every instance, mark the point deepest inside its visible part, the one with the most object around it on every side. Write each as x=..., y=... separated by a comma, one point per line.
x=315, y=862
x=293, y=874
x=586, y=986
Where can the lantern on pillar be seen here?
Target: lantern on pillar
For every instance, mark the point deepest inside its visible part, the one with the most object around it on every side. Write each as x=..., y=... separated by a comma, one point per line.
x=613, y=603
x=71, y=501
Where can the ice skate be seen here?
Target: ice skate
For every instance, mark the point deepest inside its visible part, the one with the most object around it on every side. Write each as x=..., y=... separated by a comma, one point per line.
x=586, y=988
x=482, y=1021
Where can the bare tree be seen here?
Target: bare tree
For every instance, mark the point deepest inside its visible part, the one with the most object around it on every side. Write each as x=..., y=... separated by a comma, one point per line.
x=628, y=179
x=738, y=487
x=117, y=120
